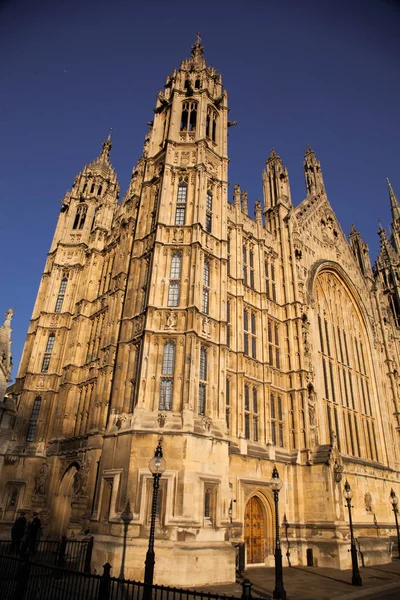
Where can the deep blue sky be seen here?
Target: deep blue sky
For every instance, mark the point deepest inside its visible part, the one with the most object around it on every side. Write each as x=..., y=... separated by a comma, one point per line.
x=298, y=72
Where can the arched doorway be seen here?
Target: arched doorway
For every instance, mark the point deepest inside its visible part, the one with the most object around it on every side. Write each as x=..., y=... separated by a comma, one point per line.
x=254, y=531
x=62, y=506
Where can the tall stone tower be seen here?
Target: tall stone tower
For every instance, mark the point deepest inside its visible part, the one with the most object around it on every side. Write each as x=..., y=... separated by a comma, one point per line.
x=241, y=341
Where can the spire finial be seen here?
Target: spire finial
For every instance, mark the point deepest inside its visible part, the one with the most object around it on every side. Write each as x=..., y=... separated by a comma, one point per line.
x=104, y=155
x=197, y=48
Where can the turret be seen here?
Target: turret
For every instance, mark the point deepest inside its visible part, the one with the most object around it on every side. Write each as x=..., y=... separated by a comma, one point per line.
x=5, y=353
x=313, y=174
x=275, y=183
x=360, y=251
x=387, y=269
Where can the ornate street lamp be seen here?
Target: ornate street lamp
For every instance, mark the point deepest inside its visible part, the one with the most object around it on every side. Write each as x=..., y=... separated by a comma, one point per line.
x=279, y=591
x=157, y=466
x=356, y=577
x=394, y=502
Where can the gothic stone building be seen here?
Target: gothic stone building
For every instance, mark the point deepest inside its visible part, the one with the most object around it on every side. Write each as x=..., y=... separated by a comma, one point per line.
x=243, y=341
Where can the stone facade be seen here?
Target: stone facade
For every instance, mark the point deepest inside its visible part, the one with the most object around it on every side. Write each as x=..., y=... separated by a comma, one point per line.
x=243, y=341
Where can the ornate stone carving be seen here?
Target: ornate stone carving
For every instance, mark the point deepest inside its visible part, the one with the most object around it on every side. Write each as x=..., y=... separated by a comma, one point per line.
x=207, y=424
x=40, y=480
x=171, y=320
x=368, y=502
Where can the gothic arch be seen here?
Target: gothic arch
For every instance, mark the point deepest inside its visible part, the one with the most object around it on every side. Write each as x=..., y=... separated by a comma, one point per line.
x=321, y=266
x=261, y=527
x=343, y=358
x=63, y=498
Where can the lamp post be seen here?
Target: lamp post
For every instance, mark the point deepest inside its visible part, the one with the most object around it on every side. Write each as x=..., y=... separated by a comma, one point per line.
x=157, y=467
x=356, y=577
x=286, y=525
x=394, y=502
x=279, y=591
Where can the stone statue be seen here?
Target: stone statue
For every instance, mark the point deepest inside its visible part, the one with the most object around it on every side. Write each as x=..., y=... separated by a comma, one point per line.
x=171, y=320
x=80, y=480
x=40, y=480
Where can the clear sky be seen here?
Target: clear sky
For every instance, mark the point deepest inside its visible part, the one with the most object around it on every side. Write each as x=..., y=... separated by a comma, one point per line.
x=298, y=72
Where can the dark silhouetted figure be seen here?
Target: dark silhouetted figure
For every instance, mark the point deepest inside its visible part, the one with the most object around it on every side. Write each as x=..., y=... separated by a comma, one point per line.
x=18, y=532
x=31, y=535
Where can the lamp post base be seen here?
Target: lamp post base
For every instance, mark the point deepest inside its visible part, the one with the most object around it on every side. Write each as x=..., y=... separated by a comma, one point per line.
x=356, y=577
x=279, y=592
x=148, y=575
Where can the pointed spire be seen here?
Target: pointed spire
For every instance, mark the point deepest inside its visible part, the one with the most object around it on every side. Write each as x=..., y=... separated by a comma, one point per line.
x=104, y=155
x=394, y=205
x=313, y=174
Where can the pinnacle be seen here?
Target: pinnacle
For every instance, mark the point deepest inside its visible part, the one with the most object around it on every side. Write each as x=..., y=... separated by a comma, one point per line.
x=197, y=48
x=104, y=155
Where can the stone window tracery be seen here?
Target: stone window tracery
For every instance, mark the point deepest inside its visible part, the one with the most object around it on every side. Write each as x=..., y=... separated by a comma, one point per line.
x=251, y=412
x=80, y=217
x=273, y=344
x=189, y=116
x=346, y=375
x=277, y=424
x=249, y=333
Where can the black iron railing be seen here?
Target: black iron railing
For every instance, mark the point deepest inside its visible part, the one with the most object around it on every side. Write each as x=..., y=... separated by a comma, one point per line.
x=24, y=579
x=71, y=554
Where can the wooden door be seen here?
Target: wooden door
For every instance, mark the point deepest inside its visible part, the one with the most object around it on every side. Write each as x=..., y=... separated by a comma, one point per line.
x=254, y=531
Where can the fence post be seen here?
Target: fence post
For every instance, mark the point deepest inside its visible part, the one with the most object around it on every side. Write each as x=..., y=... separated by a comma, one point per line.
x=105, y=580
x=88, y=555
x=61, y=552
x=246, y=589
x=22, y=577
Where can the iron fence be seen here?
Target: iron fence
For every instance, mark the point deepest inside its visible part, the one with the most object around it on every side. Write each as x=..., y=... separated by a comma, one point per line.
x=24, y=579
x=71, y=554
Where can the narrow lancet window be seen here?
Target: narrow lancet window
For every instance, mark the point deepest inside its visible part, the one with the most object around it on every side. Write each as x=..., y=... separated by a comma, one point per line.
x=174, y=280
x=61, y=294
x=34, y=419
x=48, y=352
x=201, y=405
x=168, y=366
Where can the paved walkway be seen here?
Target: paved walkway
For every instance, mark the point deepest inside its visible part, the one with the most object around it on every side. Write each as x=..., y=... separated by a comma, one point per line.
x=317, y=583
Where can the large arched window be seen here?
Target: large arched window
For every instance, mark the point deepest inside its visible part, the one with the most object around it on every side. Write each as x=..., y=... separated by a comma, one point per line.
x=344, y=366
x=189, y=116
